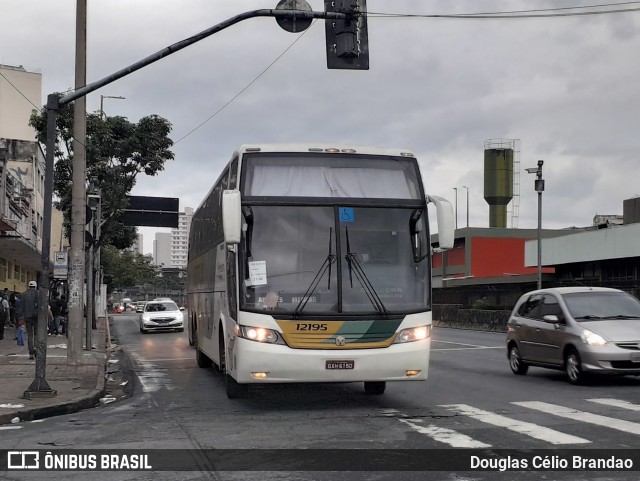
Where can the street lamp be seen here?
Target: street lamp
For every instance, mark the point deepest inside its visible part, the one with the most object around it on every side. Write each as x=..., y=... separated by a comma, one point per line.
x=465, y=187
x=102, y=97
x=456, y=211
x=539, y=188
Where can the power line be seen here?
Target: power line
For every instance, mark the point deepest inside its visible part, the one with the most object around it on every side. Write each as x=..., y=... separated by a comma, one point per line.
x=533, y=13
x=245, y=87
x=18, y=90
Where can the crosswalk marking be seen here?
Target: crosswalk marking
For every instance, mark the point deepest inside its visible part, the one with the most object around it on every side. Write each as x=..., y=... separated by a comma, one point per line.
x=570, y=413
x=533, y=430
x=444, y=435
x=458, y=440
x=616, y=403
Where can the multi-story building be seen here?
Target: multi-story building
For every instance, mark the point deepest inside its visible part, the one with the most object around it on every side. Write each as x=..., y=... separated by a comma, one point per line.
x=162, y=249
x=22, y=171
x=171, y=249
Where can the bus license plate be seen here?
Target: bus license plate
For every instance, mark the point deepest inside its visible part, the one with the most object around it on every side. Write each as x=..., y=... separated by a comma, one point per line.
x=340, y=364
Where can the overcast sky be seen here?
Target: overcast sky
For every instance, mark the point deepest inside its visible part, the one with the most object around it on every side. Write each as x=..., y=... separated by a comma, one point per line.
x=568, y=87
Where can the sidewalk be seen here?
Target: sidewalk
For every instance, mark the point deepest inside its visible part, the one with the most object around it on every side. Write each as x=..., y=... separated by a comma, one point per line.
x=78, y=387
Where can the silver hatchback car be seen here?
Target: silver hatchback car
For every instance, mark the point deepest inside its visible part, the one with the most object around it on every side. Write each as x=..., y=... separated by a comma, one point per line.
x=580, y=330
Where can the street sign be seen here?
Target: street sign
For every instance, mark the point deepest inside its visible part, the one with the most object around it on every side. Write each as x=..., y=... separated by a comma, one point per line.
x=61, y=265
x=151, y=211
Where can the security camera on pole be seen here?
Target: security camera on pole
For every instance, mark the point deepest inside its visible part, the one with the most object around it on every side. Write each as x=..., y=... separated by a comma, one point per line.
x=539, y=187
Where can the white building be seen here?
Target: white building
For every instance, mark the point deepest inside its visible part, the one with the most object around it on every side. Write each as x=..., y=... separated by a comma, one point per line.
x=171, y=249
x=22, y=182
x=162, y=249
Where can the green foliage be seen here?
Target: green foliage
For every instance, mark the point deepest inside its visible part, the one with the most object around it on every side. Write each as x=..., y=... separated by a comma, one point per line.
x=482, y=303
x=117, y=151
x=124, y=268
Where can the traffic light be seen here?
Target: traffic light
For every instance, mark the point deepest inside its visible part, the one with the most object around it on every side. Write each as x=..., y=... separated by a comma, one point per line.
x=347, y=40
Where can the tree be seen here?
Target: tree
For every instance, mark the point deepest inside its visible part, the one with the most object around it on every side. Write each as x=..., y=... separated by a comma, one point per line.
x=126, y=268
x=117, y=151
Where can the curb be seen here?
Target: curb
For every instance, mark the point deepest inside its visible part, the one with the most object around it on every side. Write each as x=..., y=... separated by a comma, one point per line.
x=69, y=407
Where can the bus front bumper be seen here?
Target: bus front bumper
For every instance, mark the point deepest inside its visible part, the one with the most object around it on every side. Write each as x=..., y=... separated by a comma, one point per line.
x=270, y=363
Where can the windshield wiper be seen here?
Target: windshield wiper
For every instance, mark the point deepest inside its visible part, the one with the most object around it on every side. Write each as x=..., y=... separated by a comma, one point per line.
x=621, y=316
x=370, y=291
x=588, y=317
x=326, y=265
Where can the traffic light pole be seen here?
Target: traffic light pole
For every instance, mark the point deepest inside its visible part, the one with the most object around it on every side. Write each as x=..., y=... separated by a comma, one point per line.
x=54, y=103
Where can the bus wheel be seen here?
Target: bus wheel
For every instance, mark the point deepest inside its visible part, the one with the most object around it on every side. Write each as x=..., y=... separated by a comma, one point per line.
x=191, y=333
x=233, y=389
x=375, y=387
x=202, y=359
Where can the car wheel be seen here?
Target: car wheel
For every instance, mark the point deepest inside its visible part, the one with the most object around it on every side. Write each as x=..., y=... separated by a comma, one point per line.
x=180, y=330
x=142, y=331
x=517, y=365
x=573, y=368
x=375, y=387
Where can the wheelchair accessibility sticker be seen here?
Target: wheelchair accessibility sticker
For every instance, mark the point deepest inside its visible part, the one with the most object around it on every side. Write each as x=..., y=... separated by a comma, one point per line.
x=346, y=214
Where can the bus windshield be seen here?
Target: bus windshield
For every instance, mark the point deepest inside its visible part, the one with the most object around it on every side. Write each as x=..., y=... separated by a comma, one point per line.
x=333, y=260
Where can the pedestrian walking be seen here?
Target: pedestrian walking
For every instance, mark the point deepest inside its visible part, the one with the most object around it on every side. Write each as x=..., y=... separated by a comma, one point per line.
x=55, y=324
x=64, y=312
x=30, y=313
x=12, y=309
x=4, y=315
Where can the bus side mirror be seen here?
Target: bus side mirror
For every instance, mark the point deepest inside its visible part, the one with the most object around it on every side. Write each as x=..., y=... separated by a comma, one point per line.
x=446, y=222
x=231, y=216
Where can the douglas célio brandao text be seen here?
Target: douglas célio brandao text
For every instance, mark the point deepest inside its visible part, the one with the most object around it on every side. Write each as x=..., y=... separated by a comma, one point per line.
x=551, y=462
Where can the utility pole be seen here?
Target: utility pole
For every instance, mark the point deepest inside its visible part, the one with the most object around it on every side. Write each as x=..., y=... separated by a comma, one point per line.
x=456, y=190
x=465, y=187
x=78, y=195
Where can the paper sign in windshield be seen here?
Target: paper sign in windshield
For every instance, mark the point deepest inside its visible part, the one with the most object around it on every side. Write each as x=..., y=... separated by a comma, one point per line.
x=258, y=273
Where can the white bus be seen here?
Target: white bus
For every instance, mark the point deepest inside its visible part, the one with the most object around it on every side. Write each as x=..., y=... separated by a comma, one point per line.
x=310, y=263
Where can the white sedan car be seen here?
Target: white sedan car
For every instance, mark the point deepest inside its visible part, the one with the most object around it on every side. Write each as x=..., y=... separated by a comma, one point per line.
x=161, y=316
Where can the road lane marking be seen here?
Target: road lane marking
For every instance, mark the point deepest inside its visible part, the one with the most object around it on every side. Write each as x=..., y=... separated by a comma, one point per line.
x=440, y=434
x=466, y=346
x=616, y=403
x=192, y=358
x=7, y=428
x=569, y=413
x=469, y=345
x=444, y=435
x=151, y=377
x=529, y=429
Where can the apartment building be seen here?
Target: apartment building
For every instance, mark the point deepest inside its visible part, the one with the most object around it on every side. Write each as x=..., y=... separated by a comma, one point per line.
x=171, y=249
x=22, y=169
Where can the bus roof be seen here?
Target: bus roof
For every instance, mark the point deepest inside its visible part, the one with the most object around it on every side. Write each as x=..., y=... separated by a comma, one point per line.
x=323, y=147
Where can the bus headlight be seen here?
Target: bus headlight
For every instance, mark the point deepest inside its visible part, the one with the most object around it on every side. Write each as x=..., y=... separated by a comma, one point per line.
x=258, y=334
x=413, y=334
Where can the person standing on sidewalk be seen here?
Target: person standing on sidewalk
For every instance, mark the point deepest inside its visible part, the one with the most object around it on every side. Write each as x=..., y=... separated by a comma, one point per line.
x=29, y=301
x=56, y=309
x=4, y=315
x=16, y=312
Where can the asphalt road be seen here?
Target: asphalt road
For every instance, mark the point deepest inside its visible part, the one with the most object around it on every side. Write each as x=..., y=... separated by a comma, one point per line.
x=471, y=400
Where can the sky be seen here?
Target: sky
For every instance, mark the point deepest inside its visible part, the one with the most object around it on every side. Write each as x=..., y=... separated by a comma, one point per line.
x=563, y=82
